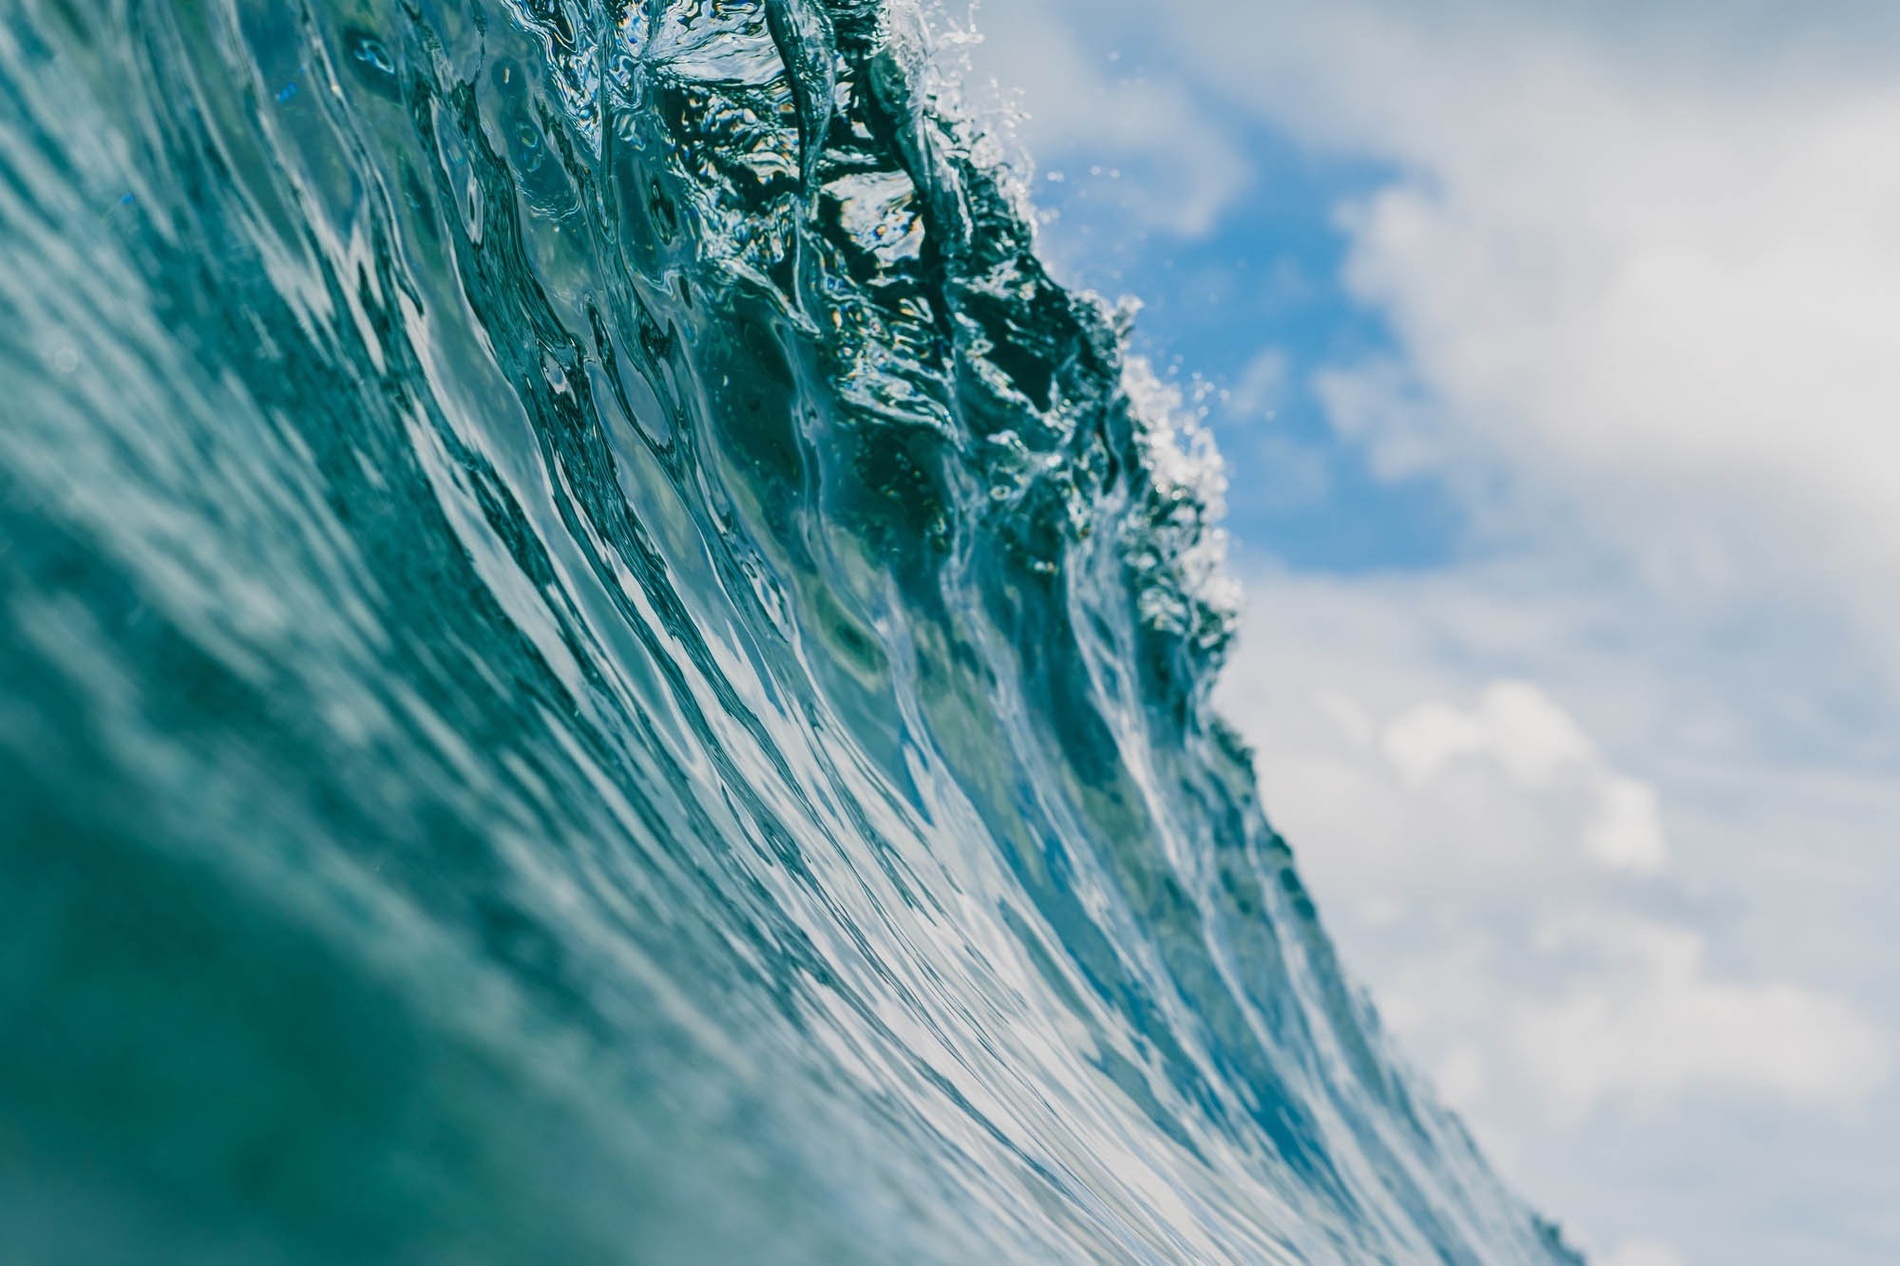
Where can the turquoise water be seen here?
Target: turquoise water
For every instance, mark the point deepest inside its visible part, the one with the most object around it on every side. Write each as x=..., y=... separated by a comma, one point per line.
x=597, y=666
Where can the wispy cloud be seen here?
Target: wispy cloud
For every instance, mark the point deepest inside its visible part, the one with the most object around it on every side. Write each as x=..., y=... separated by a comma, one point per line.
x=1142, y=138
x=1647, y=1021
x=1652, y=281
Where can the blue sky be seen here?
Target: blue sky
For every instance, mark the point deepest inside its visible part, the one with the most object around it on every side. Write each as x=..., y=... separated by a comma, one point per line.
x=1245, y=306
x=1555, y=354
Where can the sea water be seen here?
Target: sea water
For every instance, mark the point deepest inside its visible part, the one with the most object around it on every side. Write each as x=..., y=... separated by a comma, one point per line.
x=596, y=665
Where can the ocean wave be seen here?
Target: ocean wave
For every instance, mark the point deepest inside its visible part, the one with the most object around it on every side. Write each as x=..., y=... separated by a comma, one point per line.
x=598, y=665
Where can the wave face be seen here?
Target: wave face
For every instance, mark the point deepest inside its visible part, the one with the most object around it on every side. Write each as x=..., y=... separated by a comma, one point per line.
x=597, y=666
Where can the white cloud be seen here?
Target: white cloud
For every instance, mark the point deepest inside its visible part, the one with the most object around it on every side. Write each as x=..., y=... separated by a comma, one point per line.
x=1500, y=876
x=1644, y=1253
x=1174, y=166
x=1585, y=969
x=1647, y=1021
x=1261, y=387
x=1537, y=747
x=1515, y=724
x=1645, y=266
x=1627, y=833
x=1506, y=794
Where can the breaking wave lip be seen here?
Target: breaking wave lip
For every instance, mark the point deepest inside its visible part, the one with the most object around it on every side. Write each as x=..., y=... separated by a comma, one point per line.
x=597, y=665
